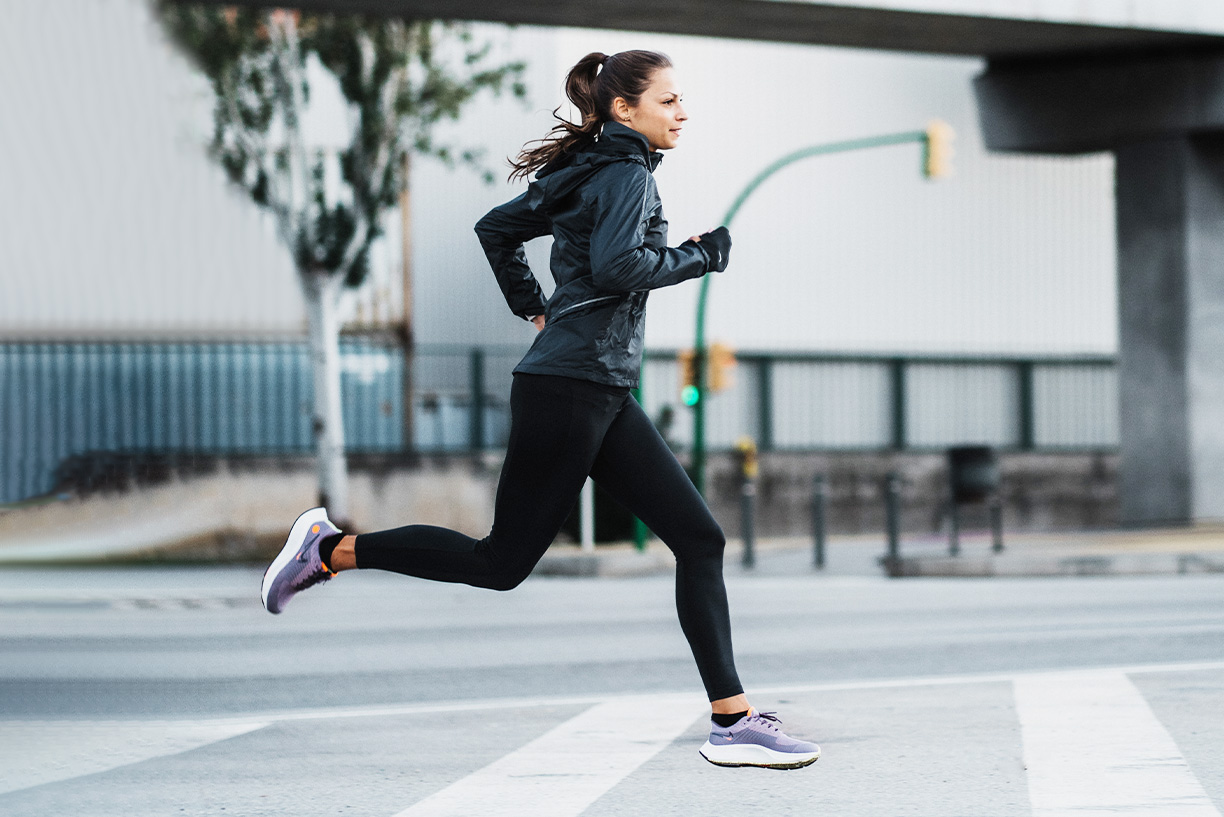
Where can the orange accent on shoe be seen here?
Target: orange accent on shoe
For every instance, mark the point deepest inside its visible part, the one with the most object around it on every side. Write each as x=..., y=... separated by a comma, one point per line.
x=315, y=529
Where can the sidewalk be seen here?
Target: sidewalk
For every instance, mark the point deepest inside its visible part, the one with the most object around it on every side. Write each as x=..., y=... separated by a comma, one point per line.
x=1198, y=549
x=186, y=523
x=1097, y=553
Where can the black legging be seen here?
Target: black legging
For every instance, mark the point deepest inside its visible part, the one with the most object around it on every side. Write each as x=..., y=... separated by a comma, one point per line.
x=561, y=430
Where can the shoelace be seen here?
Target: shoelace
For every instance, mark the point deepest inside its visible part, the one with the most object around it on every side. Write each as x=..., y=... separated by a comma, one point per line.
x=320, y=575
x=767, y=719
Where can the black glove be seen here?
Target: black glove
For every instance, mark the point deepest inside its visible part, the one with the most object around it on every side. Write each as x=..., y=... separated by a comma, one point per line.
x=716, y=244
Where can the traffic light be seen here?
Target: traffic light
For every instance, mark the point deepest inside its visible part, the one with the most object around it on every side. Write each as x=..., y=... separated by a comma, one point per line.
x=937, y=161
x=720, y=361
x=690, y=389
x=722, y=366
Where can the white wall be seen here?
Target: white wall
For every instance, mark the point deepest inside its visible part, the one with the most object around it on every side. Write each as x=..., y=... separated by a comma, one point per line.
x=112, y=219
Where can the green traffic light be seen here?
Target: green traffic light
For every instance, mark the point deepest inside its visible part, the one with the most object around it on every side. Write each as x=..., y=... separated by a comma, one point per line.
x=690, y=395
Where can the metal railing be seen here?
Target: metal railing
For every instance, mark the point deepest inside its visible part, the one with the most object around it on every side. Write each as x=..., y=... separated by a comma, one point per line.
x=65, y=407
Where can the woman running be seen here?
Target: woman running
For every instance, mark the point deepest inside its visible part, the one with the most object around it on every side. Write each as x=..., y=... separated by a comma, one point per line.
x=570, y=408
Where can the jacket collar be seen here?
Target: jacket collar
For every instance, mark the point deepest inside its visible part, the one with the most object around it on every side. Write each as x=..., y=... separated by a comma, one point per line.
x=618, y=139
x=616, y=143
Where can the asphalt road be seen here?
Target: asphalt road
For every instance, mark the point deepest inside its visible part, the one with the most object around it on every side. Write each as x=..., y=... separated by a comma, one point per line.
x=169, y=691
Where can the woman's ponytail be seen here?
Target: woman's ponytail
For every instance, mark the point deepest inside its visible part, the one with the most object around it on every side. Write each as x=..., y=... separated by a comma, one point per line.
x=591, y=85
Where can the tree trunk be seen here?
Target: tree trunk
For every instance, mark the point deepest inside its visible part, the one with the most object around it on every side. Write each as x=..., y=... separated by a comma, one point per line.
x=406, y=333
x=322, y=293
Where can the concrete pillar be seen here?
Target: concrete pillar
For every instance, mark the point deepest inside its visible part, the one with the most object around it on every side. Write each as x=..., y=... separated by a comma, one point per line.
x=1164, y=119
x=1170, y=195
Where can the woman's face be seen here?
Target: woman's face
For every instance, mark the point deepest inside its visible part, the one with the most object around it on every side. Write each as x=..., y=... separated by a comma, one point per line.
x=659, y=114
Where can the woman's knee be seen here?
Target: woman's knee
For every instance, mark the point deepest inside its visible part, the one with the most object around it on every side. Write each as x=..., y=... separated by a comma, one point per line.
x=508, y=580
x=704, y=542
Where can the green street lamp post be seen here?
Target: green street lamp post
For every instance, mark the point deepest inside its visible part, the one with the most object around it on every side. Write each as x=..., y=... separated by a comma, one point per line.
x=936, y=158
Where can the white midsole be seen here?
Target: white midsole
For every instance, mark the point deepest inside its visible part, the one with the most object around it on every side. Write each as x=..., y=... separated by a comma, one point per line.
x=294, y=541
x=752, y=753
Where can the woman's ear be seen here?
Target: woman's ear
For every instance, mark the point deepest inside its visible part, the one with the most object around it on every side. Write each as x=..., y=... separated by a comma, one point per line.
x=620, y=109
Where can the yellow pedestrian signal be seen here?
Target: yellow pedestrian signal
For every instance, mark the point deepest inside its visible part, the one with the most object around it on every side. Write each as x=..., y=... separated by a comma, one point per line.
x=937, y=162
x=722, y=366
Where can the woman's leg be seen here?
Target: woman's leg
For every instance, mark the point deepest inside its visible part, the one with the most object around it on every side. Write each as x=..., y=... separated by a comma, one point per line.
x=636, y=467
x=556, y=427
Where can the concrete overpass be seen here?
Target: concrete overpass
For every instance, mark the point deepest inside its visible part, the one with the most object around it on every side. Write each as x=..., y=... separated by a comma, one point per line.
x=1142, y=78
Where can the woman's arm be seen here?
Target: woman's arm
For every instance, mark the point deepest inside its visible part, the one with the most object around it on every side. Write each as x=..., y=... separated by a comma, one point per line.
x=502, y=232
x=620, y=262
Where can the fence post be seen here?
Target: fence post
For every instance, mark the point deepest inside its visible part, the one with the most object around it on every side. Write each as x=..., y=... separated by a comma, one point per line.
x=476, y=372
x=819, y=488
x=896, y=371
x=1025, y=412
x=765, y=402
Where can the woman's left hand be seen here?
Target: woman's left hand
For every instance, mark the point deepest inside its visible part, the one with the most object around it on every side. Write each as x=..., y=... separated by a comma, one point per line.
x=538, y=320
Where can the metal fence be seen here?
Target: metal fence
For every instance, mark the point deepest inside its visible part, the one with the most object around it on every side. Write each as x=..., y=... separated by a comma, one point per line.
x=829, y=402
x=66, y=406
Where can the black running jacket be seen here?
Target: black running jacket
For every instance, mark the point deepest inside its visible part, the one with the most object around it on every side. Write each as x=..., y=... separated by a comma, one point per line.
x=603, y=210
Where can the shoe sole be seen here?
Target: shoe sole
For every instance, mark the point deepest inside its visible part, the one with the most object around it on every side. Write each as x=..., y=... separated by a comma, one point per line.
x=743, y=757
x=293, y=543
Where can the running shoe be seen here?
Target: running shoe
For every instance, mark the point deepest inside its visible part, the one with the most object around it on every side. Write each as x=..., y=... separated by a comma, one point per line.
x=298, y=565
x=756, y=740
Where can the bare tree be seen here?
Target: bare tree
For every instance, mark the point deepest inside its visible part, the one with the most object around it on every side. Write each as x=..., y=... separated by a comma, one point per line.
x=398, y=79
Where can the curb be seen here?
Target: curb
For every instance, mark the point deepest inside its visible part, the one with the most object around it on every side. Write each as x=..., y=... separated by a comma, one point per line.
x=1049, y=564
x=605, y=563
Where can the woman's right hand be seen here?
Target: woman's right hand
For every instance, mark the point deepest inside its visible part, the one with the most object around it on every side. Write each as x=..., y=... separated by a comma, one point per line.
x=538, y=320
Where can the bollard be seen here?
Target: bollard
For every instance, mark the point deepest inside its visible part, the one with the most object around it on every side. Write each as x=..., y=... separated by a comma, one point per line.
x=818, y=521
x=954, y=529
x=892, y=512
x=747, y=503
x=996, y=524
x=746, y=449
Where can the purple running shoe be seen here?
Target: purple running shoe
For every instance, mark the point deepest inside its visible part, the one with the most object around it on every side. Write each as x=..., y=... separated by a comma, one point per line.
x=756, y=740
x=298, y=565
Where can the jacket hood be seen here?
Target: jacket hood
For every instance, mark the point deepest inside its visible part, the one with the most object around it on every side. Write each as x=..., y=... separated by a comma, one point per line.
x=563, y=175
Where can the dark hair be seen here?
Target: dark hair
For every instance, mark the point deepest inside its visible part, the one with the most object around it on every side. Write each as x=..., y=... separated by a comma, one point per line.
x=592, y=90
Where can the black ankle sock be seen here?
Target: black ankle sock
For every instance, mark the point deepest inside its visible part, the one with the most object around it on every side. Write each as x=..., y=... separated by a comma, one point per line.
x=327, y=547
x=728, y=720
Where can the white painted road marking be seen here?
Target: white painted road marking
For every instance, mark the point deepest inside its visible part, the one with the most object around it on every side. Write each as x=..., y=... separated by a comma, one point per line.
x=562, y=772
x=36, y=752
x=1093, y=747
x=32, y=753
x=478, y=704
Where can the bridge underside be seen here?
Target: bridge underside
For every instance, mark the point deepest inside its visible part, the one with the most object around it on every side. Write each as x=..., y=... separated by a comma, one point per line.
x=796, y=22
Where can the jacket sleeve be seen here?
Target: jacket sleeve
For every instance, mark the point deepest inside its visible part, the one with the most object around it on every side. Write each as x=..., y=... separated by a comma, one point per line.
x=620, y=260
x=502, y=232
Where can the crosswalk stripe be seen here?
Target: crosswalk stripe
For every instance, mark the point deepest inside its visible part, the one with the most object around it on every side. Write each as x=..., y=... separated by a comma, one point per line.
x=36, y=752
x=770, y=690
x=1093, y=747
x=563, y=771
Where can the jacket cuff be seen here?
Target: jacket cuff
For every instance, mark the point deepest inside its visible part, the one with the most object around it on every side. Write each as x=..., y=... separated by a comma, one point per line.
x=709, y=263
